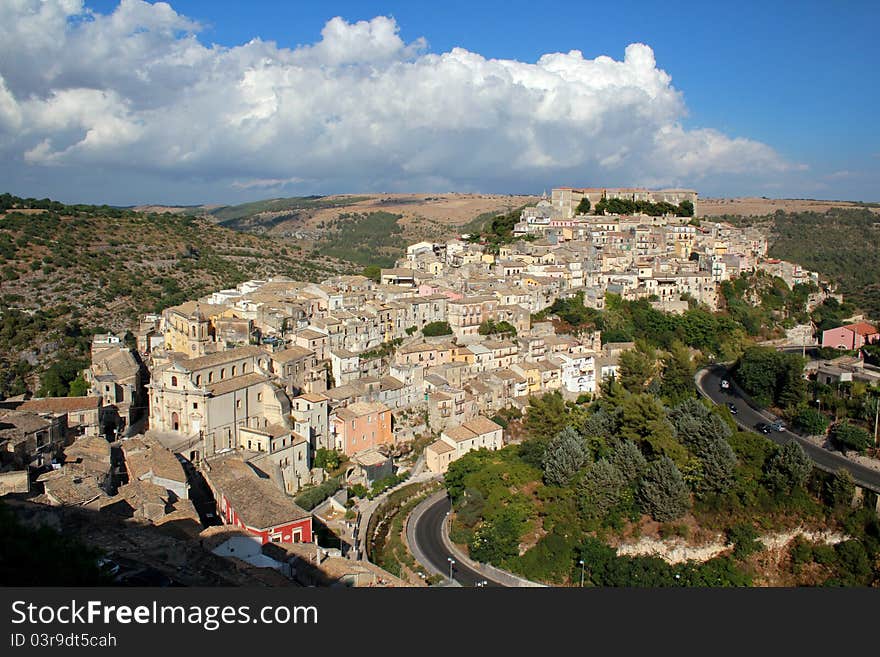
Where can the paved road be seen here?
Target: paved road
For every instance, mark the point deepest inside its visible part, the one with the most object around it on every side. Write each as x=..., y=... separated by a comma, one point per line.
x=709, y=381
x=428, y=535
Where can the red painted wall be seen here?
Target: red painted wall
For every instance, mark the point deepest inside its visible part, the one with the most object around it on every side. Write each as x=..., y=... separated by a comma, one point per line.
x=230, y=517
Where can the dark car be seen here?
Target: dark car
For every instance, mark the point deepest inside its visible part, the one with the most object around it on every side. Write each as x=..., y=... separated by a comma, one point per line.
x=762, y=427
x=733, y=408
x=777, y=426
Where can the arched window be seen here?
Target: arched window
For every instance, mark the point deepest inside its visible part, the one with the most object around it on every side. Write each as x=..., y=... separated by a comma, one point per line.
x=198, y=379
x=222, y=373
x=174, y=381
x=210, y=377
x=233, y=370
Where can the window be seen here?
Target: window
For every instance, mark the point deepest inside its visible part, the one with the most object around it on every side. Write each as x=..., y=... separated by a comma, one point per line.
x=173, y=381
x=233, y=370
x=195, y=406
x=259, y=396
x=238, y=403
x=198, y=379
x=222, y=373
x=210, y=377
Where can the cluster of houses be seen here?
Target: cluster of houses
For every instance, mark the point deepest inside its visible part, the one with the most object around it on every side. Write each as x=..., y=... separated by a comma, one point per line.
x=249, y=383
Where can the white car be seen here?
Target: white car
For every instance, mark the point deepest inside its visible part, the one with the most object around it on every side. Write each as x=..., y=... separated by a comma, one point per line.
x=725, y=384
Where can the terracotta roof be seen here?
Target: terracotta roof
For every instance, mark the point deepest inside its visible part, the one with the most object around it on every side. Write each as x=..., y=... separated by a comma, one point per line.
x=61, y=404
x=13, y=423
x=313, y=397
x=237, y=383
x=459, y=434
x=440, y=447
x=258, y=502
x=861, y=328
x=310, y=334
x=146, y=455
x=359, y=409
x=221, y=357
x=292, y=353
x=481, y=425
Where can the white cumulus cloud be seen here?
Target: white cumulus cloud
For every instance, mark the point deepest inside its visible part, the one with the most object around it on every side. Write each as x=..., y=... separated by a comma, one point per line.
x=136, y=93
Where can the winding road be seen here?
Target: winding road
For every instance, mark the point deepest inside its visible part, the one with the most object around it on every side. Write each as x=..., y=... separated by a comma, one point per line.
x=708, y=382
x=429, y=538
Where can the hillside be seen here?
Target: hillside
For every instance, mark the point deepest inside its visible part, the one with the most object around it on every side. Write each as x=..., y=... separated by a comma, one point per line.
x=368, y=229
x=66, y=271
x=842, y=244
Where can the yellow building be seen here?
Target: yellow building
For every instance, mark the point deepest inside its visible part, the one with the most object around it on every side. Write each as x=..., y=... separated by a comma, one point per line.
x=189, y=328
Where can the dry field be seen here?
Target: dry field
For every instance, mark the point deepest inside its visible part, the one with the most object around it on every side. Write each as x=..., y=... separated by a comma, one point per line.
x=713, y=207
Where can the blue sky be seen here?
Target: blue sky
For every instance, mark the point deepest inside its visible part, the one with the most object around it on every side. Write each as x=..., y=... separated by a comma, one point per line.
x=788, y=91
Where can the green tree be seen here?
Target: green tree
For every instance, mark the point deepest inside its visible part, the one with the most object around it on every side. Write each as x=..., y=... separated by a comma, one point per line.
x=329, y=459
x=643, y=420
x=601, y=487
x=788, y=468
x=840, y=489
x=603, y=422
x=566, y=453
x=78, y=387
x=637, y=367
x=696, y=426
x=663, y=493
x=458, y=470
x=629, y=460
x=547, y=416
x=771, y=377
x=434, y=329
x=583, y=207
x=490, y=327
x=373, y=272
x=685, y=209
x=677, y=374
x=718, y=466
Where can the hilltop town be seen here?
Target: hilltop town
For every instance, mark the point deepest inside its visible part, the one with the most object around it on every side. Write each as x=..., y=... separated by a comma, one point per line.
x=261, y=407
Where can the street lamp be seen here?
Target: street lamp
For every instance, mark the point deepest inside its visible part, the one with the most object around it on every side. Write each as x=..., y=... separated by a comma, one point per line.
x=581, y=562
x=451, y=564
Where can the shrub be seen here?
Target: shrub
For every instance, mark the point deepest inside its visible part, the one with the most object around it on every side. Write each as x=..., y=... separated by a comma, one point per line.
x=314, y=496
x=434, y=329
x=810, y=421
x=744, y=538
x=848, y=436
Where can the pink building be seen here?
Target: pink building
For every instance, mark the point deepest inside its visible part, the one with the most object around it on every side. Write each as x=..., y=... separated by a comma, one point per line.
x=851, y=336
x=360, y=426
